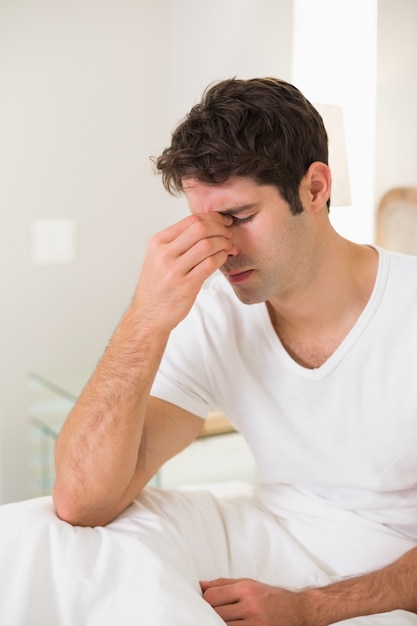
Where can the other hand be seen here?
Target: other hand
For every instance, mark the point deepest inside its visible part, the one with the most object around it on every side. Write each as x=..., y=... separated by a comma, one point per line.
x=246, y=602
x=177, y=262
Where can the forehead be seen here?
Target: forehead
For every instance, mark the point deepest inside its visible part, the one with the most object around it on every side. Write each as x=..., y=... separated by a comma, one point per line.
x=235, y=193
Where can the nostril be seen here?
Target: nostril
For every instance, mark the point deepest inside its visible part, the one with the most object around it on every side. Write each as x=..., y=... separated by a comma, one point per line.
x=233, y=248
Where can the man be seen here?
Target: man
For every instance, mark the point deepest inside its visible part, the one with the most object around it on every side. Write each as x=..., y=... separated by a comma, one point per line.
x=318, y=373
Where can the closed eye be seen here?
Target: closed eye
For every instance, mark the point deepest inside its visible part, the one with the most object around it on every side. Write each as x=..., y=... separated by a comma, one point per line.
x=238, y=221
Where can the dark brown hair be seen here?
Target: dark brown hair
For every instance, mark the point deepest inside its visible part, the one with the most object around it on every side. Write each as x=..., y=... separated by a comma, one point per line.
x=262, y=128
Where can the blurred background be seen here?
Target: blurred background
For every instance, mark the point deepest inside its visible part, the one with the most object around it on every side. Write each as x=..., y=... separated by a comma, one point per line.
x=90, y=89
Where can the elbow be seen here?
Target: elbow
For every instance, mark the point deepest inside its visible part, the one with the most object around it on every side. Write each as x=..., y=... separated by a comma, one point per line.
x=72, y=511
x=83, y=512
x=68, y=511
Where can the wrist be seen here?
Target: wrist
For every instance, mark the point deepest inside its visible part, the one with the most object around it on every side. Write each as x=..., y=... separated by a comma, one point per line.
x=144, y=325
x=333, y=603
x=150, y=318
x=311, y=601
x=367, y=594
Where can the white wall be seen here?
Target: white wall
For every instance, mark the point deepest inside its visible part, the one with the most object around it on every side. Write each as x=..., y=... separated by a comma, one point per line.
x=88, y=90
x=396, y=135
x=82, y=96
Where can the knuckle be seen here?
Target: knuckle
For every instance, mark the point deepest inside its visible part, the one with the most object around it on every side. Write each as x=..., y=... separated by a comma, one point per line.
x=154, y=243
x=199, y=227
x=193, y=219
x=247, y=585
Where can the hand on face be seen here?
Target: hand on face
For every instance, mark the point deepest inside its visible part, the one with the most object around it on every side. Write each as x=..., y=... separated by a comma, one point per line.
x=246, y=602
x=177, y=262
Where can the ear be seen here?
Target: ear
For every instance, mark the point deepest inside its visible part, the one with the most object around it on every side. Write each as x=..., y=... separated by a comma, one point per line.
x=316, y=185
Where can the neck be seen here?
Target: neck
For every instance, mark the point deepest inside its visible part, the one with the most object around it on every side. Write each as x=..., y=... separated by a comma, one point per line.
x=313, y=320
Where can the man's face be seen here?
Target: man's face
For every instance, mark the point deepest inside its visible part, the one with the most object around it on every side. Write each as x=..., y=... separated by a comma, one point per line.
x=270, y=245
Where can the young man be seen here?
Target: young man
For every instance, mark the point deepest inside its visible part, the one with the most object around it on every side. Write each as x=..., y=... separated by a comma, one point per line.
x=318, y=373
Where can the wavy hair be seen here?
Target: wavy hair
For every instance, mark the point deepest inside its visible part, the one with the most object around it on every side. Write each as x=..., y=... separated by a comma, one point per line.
x=261, y=128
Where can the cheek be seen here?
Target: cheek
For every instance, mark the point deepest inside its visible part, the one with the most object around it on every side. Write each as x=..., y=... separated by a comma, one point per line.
x=280, y=252
x=248, y=243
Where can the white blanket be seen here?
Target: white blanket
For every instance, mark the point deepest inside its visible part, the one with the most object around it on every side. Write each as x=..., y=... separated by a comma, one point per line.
x=144, y=568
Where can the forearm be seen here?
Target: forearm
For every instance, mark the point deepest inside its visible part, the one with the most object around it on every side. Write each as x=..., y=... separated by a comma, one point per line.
x=101, y=462
x=391, y=588
x=97, y=449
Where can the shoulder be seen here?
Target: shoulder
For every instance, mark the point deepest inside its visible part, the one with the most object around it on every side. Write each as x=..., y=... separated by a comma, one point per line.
x=397, y=258
x=398, y=276
x=398, y=264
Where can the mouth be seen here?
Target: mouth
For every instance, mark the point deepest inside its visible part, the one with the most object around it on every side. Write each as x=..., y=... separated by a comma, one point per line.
x=236, y=278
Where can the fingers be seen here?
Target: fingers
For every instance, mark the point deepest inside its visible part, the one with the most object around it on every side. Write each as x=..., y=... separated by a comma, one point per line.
x=221, y=591
x=197, y=238
x=199, y=244
x=177, y=262
x=218, y=582
x=173, y=231
x=224, y=596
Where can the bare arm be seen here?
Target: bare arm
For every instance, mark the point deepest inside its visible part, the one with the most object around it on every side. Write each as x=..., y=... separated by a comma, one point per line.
x=103, y=459
x=388, y=589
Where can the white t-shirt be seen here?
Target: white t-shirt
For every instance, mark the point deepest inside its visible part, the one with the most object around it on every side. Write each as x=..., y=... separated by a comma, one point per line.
x=345, y=432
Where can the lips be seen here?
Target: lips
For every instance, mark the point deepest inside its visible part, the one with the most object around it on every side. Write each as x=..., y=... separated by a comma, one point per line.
x=235, y=278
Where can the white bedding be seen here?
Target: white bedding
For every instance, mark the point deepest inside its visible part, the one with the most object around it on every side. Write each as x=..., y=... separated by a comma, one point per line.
x=144, y=568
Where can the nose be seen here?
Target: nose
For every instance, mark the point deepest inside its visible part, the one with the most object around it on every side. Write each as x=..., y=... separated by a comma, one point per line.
x=233, y=250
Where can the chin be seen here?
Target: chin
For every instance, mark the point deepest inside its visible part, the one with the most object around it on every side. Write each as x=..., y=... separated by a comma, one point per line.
x=247, y=297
